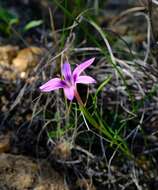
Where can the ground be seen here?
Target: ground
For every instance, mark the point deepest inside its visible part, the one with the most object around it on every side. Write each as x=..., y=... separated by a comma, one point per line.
x=48, y=142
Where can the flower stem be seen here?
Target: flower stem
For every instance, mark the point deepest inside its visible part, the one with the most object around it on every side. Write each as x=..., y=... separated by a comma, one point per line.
x=78, y=98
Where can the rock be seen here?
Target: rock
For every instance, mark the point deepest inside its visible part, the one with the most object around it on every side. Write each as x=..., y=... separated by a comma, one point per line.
x=85, y=184
x=22, y=173
x=62, y=150
x=7, y=53
x=7, y=74
x=4, y=143
x=46, y=186
x=27, y=58
x=14, y=62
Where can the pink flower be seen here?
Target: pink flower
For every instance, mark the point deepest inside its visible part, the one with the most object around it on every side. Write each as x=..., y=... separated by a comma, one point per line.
x=70, y=79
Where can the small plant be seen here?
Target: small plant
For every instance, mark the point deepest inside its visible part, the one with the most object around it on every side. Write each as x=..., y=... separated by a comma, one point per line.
x=7, y=20
x=68, y=82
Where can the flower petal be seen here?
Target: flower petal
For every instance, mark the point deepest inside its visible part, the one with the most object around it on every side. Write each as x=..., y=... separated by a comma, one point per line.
x=69, y=92
x=85, y=80
x=80, y=68
x=52, y=84
x=66, y=71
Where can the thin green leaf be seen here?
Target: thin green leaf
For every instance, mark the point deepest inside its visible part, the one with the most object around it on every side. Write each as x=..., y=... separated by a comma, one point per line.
x=6, y=16
x=32, y=24
x=101, y=86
